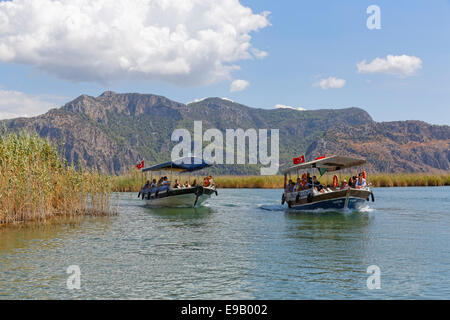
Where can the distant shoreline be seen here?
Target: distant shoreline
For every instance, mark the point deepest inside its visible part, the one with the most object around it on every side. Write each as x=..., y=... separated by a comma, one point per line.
x=132, y=182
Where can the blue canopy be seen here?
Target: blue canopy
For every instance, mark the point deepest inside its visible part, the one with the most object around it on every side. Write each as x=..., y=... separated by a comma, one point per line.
x=186, y=164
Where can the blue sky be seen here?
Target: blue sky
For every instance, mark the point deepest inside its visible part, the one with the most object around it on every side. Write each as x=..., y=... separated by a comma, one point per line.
x=306, y=42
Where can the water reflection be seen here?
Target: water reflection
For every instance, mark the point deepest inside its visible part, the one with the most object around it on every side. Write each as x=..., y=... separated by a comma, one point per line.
x=182, y=217
x=334, y=246
x=185, y=213
x=15, y=237
x=331, y=222
x=35, y=236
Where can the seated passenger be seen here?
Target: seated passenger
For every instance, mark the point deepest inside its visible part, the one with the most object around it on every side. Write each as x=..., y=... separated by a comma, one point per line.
x=187, y=185
x=153, y=185
x=205, y=182
x=176, y=185
x=165, y=181
x=309, y=181
x=304, y=181
x=210, y=181
x=361, y=182
x=344, y=184
x=352, y=182
x=298, y=185
x=290, y=186
x=194, y=184
x=317, y=185
x=146, y=185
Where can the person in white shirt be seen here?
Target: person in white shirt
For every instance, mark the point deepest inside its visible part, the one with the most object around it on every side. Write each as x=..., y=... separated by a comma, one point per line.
x=361, y=182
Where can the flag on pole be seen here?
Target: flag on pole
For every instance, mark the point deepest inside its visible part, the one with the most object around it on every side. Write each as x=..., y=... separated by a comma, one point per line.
x=140, y=165
x=322, y=157
x=299, y=160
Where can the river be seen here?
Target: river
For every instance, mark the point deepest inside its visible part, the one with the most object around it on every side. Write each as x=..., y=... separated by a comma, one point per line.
x=241, y=245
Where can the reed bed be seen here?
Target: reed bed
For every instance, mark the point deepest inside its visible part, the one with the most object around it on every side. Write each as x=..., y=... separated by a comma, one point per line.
x=37, y=184
x=132, y=181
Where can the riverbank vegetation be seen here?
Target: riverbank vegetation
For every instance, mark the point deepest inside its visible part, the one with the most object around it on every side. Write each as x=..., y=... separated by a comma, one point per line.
x=37, y=184
x=132, y=181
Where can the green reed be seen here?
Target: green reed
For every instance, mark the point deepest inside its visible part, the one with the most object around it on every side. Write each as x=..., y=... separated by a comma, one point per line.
x=37, y=184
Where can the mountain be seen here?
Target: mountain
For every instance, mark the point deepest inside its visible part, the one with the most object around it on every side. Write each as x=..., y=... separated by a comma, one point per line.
x=112, y=131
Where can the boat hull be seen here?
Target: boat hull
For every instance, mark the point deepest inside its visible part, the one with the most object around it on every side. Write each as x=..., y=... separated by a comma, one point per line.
x=179, y=201
x=184, y=197
x=350, y=199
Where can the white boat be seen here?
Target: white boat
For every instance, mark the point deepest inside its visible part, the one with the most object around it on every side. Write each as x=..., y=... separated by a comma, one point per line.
x=166, y=196
x=336, y=197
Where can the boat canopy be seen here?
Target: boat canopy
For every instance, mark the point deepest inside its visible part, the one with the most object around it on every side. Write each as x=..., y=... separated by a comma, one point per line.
x=333, y=163
x=186, y=164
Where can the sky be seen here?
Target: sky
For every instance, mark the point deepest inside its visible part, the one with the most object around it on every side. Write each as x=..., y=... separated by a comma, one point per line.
x=261, y=53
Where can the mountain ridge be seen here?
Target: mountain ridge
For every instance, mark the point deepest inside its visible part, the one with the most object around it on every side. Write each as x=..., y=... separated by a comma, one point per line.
x=114, y=130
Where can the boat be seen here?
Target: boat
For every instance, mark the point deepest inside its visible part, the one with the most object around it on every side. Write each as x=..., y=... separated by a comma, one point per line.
x=335, y=197
x=166, y=196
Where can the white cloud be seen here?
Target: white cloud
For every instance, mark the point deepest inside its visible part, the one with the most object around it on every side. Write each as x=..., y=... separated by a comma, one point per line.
x=282, y=106
x=187, y=42
x=398, y=65
x=239, y=85
x=330, y=82
x=14, y=104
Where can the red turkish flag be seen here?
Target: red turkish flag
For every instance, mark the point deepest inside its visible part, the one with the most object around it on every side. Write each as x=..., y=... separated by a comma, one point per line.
x=322, y=157
x=298, y=160
x=140, y=165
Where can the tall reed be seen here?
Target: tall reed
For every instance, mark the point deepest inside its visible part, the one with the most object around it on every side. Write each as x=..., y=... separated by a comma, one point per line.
x=36, y=183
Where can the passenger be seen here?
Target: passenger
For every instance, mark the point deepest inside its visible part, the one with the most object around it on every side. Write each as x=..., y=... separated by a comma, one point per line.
x=165, y=181
x=146, y=185
x=308, y=180
x=352, y=182
x=187, y=185
x=291, y=186
x=194, y=184
x=205, y=182
x=344, y=184
x=153, y=185
x=210, y=181
x=176, y=185
x=361, y=182
x=304, y=181
x=298, y=185
x=317, y=185
x=160, y=181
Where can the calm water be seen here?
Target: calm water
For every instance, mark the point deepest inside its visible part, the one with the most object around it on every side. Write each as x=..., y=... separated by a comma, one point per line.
x=242, y=246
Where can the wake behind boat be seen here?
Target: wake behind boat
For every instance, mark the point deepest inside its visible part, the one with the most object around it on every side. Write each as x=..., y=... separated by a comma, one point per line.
x=309, y=194
x=166, y=195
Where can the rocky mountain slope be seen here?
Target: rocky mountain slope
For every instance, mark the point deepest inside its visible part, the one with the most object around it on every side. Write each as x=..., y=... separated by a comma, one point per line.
x=111, y=132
